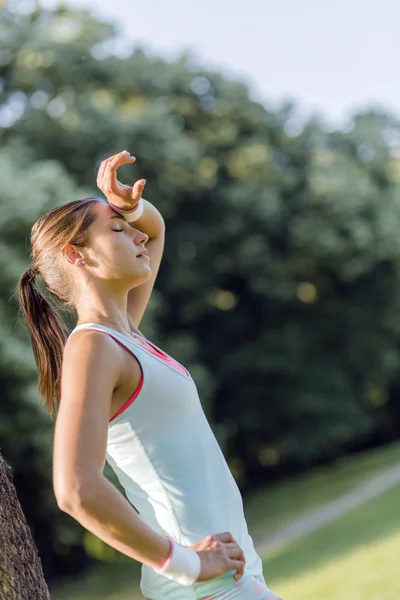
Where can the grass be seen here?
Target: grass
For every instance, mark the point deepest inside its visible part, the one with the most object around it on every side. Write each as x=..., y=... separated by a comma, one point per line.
x=270, y=508
x=266, y=511
x=111, y=581
x=354, y=558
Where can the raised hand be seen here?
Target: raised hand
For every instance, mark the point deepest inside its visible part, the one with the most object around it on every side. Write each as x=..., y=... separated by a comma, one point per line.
x=123, y=196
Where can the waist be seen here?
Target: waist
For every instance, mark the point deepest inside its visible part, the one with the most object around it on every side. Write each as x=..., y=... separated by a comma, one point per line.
x=157, y=587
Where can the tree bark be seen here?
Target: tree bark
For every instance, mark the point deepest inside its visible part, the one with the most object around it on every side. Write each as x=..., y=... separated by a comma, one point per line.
x=21, y=573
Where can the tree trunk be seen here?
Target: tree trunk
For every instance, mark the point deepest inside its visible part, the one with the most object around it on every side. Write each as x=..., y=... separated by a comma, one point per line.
x=21, y=574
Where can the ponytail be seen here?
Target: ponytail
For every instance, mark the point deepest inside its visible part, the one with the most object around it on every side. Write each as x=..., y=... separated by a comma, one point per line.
x=48, y=334
x=66, y=224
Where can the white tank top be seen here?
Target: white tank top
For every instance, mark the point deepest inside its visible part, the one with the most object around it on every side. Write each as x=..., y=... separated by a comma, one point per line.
x=168, y=461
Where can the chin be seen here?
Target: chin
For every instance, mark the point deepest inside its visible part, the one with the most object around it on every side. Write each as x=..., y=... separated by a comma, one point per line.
x=137, y=279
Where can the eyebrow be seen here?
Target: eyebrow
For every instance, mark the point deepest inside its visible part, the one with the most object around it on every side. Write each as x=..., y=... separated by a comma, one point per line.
x=117, y=217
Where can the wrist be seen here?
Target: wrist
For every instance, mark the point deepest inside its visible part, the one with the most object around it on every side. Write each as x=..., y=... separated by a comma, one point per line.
x=182, y=565
x=131, y=215
x=169, y=549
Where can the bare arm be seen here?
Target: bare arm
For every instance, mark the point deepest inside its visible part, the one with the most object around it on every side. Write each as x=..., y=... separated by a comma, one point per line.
x=91, y=372
x=151, y=223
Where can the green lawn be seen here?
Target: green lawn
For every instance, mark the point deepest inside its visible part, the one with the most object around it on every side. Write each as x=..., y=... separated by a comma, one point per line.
x=270, y=508
x=111, y=581
x=355, y=558
x=267, y=510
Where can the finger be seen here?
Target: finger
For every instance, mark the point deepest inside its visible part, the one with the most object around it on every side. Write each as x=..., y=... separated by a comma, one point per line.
x=137, y=189
x=240, y=570
x=110, y=182
x=100, y=172
x=238, y=566
x=237, y=553
x=110, y=174
x=102, y=168
x=230, y=546
x=224, y=537
x=120, y=158
x=113, y=161
x=102, y=175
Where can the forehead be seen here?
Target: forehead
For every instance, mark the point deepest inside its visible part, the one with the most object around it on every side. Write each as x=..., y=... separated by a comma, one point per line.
x=104, y=213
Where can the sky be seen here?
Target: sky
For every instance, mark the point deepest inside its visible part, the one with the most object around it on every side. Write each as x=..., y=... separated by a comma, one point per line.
x=332, y=58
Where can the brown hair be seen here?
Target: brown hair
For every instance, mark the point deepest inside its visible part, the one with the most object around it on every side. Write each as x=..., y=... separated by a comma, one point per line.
x=65, y=224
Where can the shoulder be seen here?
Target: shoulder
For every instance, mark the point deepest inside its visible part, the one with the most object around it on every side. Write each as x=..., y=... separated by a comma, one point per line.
x=88, y=349
x=91, y=371
x=90, y=341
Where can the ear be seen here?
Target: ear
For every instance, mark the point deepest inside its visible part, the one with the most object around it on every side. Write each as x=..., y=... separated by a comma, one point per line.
x=71, y=254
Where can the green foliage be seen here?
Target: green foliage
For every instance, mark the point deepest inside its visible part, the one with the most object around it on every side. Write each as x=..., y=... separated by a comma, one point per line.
x=279, y=287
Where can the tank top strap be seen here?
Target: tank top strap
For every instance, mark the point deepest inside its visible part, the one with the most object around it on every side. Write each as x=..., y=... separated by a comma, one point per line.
x=123, y=340
x=145, y=351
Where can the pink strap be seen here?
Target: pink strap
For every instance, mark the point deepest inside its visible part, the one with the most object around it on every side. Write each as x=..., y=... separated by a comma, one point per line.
x=121, y=210
x=132, y=399
x=168, y=559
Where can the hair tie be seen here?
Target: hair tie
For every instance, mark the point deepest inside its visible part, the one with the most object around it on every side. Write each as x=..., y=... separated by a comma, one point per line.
x=33, y=271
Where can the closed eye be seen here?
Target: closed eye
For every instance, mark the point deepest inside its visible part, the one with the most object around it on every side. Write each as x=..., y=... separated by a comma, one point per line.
x=119, y=230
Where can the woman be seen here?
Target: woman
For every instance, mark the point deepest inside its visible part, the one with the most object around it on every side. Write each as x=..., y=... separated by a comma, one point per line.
x=120, y=398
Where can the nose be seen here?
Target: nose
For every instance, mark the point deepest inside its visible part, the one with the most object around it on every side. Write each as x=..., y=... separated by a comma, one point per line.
x=140, y=237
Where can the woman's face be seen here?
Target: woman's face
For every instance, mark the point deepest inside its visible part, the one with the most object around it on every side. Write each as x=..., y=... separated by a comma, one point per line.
x=113, y=248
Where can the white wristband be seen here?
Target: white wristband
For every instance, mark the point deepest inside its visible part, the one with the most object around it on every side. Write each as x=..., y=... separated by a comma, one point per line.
x=130, y=215
x=183, y=566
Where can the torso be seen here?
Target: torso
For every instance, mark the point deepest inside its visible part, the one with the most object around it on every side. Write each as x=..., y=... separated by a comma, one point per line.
x=167, y=459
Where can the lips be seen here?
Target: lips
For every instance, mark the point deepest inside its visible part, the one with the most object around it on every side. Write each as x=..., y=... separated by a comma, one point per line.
x=143, y=253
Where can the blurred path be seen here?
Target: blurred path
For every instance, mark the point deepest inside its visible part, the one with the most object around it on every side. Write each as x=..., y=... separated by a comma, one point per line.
x=329, y=512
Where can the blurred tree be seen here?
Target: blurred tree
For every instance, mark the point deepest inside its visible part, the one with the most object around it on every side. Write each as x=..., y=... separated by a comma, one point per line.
x=28, y=189
x=279, y=289
x=21, y=575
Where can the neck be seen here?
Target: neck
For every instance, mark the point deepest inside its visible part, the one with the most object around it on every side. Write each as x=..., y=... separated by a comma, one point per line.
x=98, y=306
